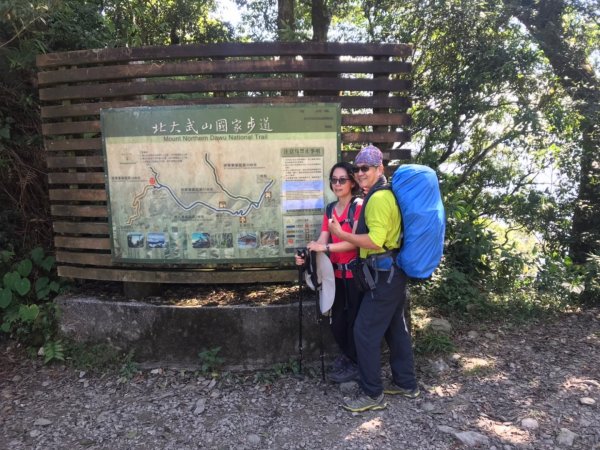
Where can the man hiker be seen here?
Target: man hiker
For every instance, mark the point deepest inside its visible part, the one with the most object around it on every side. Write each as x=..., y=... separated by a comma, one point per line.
x=381, y=313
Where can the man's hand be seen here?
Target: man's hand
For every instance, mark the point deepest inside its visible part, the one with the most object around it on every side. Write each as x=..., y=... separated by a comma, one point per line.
x=334, y=227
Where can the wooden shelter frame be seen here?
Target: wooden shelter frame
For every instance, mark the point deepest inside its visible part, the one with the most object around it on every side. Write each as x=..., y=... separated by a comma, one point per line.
x=370, y=81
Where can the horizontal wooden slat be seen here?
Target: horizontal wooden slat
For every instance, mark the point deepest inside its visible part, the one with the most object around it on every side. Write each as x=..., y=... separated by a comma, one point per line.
x=108, y=55
x=76, y=178
x=180, y=276
x=91, y=126
x=388, y=155
x=226, y=67
x=81, y=227
x=63, y=162
x=91, y=243
x=376, y=137
x=57, y=145
x=79, y=210
x=347, y=101
x=90, y=259
x=375, y=119
x=109, y=90
x=85, y=195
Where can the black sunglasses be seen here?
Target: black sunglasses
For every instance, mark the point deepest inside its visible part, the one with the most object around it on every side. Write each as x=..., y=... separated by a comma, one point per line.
x=363, y=169
x=340, y=181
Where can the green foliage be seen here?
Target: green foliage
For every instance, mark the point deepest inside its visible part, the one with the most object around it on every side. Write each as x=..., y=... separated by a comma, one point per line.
x=429, y=342
x=93, y=357
x=129, y=368
x=292, y=367
x=54, y=351
x=26, y=308
x=210, y=361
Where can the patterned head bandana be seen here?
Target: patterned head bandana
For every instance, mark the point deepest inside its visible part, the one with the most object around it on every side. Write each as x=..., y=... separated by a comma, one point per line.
x=370, y=156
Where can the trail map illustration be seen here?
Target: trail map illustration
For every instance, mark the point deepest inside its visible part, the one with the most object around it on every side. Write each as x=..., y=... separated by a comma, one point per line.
x=217, y=184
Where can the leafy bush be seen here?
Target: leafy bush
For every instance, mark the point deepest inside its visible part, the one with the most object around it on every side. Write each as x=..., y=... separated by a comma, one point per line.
x=27, y=312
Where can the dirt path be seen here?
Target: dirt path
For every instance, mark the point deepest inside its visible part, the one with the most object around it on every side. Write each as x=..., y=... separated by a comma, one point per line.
x=529, y=387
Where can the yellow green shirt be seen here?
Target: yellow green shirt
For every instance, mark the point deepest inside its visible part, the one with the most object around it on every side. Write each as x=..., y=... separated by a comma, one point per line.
x=383, y=221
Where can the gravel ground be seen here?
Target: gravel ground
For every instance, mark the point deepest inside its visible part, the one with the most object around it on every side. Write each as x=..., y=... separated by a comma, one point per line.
x=535, y=386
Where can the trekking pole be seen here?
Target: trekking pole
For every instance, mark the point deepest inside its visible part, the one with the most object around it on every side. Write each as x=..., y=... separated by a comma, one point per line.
x=321, y=351
x=320, y=322
x=300, y=270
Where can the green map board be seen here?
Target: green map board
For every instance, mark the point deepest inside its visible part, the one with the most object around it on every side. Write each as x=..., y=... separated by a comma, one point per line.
x=217, y=184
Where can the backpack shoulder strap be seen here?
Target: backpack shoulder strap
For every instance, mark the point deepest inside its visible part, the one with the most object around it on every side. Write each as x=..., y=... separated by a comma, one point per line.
x=329, y=209
x=351, y=211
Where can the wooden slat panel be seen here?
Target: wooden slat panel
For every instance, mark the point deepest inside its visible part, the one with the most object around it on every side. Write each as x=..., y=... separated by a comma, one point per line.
x=63, y=162
x=375, y=119
x=100, y=56
x=349, y=102
x=180, y=276
x=85, y=195
x=105, y=73
x=210, y=85
x=81, y=227
x=76, y=178
x=82, y=242
x=57, y=145
x=79, y=210
x=391, y=136
x=91, y=259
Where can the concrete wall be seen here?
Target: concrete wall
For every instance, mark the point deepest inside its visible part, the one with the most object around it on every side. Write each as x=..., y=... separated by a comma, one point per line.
x=250, y=337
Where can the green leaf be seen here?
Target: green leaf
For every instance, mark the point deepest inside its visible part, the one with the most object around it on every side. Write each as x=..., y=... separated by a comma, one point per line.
x=42, y=294
x=23, y=286
x=11, y=279
x=24, y=267
x=6, y=255
x=28, y=313
x=5, y=327
x=5, y=298
x=54, y=286
x=47, y=263
x=41, y=283
x=37, y=255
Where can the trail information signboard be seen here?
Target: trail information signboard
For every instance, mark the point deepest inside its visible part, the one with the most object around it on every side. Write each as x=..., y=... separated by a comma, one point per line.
x=217, y=184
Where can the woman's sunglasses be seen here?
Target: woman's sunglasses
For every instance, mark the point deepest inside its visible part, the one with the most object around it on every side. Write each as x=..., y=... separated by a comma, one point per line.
x=363, y=169
x=340, y=181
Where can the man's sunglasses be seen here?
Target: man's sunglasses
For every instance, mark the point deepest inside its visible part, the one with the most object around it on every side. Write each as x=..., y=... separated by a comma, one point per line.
x=363, y=169
x=340, y=181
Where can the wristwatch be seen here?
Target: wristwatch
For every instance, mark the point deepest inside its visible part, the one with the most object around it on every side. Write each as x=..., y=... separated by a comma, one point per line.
x=327, y=248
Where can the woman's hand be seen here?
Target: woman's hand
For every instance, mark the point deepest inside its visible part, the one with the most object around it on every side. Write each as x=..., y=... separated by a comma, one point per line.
x=334, y=227
x=315, y=246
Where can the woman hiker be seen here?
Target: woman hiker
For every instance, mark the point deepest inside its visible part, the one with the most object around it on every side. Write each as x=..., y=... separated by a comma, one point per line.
x=346, y=211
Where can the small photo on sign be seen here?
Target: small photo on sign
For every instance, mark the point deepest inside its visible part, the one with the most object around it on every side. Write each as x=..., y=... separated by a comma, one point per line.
x=157, y=240
x=200, y=240
x=223, y=240
x=247, y=240
x=135, y=240
x=269, y=238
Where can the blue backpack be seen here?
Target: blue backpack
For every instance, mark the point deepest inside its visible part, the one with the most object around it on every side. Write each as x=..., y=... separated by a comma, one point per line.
x=417, y=191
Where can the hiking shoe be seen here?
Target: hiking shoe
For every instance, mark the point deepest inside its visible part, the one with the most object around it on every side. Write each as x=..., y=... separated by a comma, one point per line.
x=339, y=363
x=392, y=388
x=347, y=373
x=362, y=402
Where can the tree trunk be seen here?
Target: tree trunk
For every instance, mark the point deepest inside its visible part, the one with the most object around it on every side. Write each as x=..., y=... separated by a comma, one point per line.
x=321, y=19
x=543, y=20
x=286, y=21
